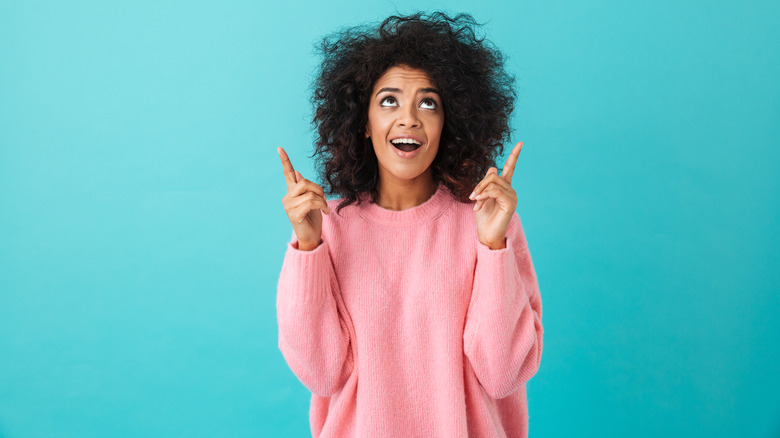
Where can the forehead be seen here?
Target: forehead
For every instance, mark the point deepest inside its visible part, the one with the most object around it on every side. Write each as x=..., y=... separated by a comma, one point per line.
x=403, y=77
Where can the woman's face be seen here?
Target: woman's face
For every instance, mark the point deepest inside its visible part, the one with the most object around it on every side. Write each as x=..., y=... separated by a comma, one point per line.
x=405, y=119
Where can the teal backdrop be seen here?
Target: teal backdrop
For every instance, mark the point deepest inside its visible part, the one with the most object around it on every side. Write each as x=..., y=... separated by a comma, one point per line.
x=142, y=230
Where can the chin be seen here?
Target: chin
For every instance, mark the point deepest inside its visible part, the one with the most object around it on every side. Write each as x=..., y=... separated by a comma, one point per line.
x=408, y=171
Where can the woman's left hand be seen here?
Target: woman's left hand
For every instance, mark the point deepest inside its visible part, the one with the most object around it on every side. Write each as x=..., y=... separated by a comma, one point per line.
x=496, y=202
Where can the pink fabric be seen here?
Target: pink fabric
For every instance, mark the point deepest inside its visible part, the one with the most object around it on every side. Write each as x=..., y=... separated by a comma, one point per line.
x=402, y=324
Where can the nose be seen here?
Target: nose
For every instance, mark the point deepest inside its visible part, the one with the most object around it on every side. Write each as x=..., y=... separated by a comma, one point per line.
x=408, y=117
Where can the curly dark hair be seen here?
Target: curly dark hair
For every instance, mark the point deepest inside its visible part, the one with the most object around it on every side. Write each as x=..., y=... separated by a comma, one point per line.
x=477, y=96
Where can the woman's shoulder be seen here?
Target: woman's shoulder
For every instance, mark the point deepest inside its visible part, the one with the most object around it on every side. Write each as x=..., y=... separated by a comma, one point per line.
x=347, y=209
x=339, y=217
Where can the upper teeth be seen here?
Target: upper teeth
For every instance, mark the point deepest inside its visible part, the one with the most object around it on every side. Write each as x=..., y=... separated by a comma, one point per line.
x=405, y=140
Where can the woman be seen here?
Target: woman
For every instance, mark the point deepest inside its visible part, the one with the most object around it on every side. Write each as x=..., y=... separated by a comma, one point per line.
x=414, y=311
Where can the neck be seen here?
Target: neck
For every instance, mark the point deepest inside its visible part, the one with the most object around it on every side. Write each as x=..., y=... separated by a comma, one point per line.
x=403, y=195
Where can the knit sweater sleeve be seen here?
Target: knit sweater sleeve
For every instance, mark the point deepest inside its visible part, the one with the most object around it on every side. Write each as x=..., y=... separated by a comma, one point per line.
x=313, y=336
x=503, y=333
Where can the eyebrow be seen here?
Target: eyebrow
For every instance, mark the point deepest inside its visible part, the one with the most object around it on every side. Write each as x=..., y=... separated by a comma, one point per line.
x=398, y=90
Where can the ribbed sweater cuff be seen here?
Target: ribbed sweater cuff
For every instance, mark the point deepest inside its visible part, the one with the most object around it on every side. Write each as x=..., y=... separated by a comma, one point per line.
x=307, y=274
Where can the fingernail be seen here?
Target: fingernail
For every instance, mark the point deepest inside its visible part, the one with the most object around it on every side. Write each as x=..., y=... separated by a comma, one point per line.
x=471, y=196
x=475, y=207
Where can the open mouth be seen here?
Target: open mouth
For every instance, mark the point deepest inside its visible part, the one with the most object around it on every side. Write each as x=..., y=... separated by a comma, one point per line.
x=406, y=144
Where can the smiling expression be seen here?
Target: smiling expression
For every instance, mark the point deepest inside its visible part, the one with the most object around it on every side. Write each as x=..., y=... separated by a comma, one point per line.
x=405, y=109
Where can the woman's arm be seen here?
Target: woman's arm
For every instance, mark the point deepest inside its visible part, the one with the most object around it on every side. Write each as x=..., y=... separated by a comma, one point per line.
x=313, y=336
x=503, y=332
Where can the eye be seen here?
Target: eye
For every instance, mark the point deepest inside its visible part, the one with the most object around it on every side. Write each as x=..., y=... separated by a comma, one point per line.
x=388, y=101
x=428, y=104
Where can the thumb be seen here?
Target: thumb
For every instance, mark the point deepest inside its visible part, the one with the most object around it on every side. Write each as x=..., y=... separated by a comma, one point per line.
x=491, y=170
x=298, y=176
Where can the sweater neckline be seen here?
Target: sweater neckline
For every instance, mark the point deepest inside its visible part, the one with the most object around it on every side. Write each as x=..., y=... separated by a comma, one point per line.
x=426, y=211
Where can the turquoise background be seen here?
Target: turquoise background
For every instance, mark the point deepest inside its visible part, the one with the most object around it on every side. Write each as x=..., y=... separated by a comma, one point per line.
x=142, y=230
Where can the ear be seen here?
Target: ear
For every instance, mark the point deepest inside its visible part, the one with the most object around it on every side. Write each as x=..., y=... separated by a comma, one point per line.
x=368, y=133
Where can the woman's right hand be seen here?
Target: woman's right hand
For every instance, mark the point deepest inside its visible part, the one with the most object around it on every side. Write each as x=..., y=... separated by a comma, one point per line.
x=303, y=202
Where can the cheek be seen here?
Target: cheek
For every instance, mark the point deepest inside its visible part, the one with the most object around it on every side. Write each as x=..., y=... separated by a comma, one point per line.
x=435, y=125
x=378, y=124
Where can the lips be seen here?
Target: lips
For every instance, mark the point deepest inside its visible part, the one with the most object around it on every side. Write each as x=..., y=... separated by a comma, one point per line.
x=406, y=143
x=414, y=150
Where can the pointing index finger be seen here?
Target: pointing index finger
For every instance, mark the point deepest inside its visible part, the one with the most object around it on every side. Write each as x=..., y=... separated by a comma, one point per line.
x=289, y=171
x=509, y=167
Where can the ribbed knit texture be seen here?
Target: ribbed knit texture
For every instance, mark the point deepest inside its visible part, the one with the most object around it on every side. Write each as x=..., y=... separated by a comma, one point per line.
x=402, y=324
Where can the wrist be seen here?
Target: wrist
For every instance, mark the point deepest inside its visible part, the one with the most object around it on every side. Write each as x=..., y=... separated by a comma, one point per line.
x=494, y=245
x=307, y=246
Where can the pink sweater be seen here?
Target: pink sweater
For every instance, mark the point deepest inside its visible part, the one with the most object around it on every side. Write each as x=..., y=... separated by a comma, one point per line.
x=402, y=324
